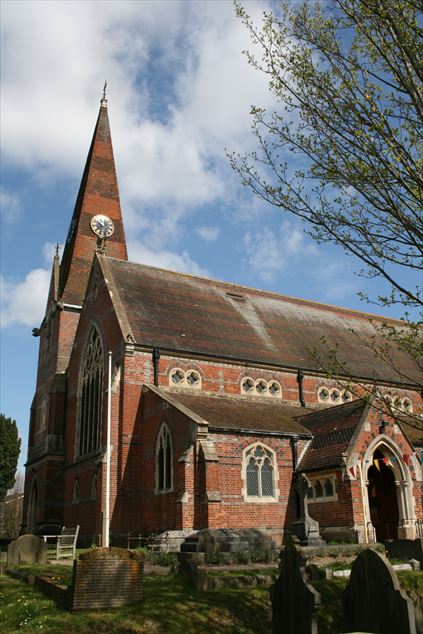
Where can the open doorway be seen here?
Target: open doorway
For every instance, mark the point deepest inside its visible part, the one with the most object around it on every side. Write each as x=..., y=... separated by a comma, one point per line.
x=383, y=500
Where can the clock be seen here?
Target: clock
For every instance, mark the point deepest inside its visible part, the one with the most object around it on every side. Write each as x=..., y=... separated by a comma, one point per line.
x=102, y=226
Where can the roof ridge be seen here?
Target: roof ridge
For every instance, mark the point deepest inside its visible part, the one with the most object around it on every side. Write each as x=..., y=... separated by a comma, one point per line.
x=291, y=298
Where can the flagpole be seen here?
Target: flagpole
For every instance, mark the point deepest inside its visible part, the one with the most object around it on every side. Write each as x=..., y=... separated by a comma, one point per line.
x=109, y=419
x=366, y=536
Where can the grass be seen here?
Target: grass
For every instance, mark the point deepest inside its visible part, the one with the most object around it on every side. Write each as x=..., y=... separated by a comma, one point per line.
x=329, y=616
x=57, y=572
x=169, y=605
x=411, y=580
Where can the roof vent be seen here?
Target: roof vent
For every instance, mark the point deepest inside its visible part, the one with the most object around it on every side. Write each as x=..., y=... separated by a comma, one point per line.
x=236, y=296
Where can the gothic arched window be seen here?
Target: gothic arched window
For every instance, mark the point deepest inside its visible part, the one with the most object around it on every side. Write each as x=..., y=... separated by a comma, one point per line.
x=318, y=489
x=91, y=395
x=328, y=488
x=259, y=467
x=75, y=492
x=164, y=460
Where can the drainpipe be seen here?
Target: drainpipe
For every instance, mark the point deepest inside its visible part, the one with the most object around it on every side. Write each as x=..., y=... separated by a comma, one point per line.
x=300, y=377
x=156, y=357
x=294, y=441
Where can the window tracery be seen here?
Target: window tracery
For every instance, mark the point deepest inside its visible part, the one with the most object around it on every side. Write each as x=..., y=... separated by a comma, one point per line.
x=397, y=403
x=321, y=489
x=333, y=395
x=259, y=469
x=91, y=395
x=261, y=387
x=185, y=378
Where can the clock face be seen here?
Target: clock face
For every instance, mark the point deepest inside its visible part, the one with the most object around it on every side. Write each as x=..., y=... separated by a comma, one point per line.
x=102, y=226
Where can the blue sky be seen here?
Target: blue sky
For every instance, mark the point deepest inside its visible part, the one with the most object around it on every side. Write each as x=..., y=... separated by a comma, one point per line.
x=179, y=92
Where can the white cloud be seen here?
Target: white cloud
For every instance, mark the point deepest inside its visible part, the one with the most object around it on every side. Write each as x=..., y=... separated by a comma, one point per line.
x=209, y=234
x=269, y=251
x=10, y=205
x=179, y=92
x=264, y=252
x=165, y=259
x=49, y=251
x=335, y=278
x=24, y=302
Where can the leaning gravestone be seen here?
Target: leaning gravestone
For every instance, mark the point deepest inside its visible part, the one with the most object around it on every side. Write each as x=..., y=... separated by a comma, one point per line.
x=294, y=600
x=373, y=599
x=27, y=549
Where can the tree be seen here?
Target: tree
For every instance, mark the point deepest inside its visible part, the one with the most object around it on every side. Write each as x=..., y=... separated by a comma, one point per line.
x=10, y=446
x=342, y=148
x=349, y=87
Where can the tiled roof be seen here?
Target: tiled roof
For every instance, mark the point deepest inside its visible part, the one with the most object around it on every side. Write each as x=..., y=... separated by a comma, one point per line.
x=413, y=428
x=332, y=431
x=98, y=194
x=241, y=413
x=201, y=316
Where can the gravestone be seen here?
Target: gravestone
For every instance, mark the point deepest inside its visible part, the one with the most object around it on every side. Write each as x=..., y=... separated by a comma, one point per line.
x=294, y=600
x=305, y=527
x=373, y=599
x=106, y=578
x=27, y=549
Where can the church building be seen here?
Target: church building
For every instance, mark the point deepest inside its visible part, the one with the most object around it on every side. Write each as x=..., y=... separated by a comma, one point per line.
x=218, y=406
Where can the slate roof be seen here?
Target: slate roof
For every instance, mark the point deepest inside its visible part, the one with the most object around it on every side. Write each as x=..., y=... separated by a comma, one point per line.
x=239, y=413
x=332, y=431
x=174, y=311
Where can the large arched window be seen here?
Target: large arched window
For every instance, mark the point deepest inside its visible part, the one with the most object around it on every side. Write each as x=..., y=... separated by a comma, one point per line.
x=259, y=473
x=91, y=395
x=164, y=460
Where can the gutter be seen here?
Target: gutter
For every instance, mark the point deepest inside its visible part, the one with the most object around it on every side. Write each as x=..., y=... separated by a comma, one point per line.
x=260, y=432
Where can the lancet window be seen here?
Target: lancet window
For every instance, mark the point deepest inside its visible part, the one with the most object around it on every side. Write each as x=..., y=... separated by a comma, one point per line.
x=91, y=395
x=164, y=460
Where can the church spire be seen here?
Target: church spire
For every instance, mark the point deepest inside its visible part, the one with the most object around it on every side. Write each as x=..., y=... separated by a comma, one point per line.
x=98, y=194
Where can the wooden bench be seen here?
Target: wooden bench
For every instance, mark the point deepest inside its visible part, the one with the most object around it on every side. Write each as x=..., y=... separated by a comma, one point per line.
x=66, y=542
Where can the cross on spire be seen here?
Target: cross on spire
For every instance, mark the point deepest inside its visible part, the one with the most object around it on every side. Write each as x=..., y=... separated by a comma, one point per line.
x=103, y=100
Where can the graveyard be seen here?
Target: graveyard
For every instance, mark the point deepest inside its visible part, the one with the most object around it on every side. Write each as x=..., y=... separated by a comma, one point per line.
x=213, y=593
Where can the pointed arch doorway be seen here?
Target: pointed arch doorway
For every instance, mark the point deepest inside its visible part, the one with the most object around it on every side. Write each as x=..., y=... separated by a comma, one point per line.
x=383, y=499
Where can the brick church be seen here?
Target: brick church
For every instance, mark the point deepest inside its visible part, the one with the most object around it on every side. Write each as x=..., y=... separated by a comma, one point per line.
x=218, y=407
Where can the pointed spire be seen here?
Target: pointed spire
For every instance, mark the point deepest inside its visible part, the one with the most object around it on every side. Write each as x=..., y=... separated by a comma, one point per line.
x=98, y=194
x=54, y=279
